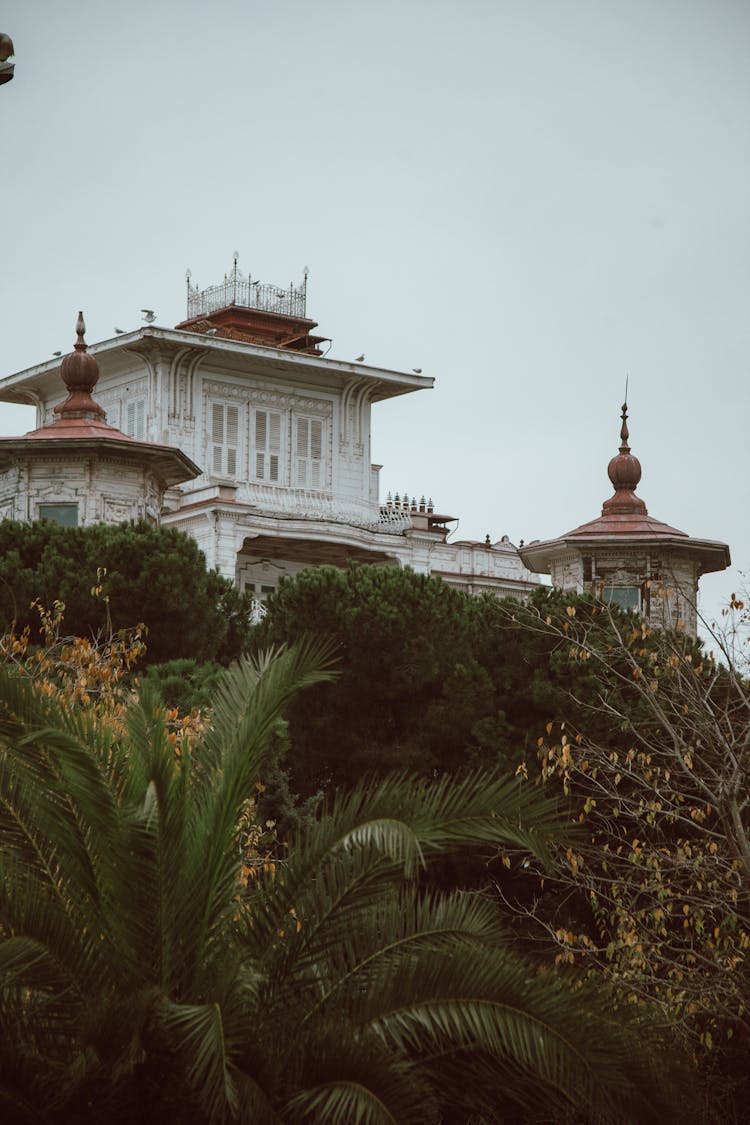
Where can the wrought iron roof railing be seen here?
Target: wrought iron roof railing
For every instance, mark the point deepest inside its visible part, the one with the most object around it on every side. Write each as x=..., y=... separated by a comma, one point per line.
x=236, y=289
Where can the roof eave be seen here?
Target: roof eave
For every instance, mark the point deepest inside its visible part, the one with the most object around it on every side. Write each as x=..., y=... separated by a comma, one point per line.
x=388, y=383
x=172, y=465
x=713, y=555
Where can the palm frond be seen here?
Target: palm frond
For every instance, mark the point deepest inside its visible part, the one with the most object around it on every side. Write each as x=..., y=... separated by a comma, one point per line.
x=403, y=925
x=349, y=1079
x=473, y=999
x=452, y=813
x=250, y=700
x=197, y=1032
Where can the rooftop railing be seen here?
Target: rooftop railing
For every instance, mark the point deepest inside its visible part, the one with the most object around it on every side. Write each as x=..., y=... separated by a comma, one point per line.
x=236, y=289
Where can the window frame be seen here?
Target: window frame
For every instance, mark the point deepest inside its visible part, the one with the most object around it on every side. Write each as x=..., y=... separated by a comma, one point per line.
x=69, y=506
x=609, y=597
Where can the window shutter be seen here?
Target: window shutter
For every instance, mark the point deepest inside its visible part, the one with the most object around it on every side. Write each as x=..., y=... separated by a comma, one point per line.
x=261, y=439
x=225, y=429
x=309, y=459
x=233, y=432
x=316, y=452
x=274, y=446
x=303, y=448
x=217, y=436
x=135, y=419
x=267, y=445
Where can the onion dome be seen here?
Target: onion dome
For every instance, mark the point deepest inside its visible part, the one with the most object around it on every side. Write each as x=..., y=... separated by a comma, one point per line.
x=624, y=471
x=80, y=373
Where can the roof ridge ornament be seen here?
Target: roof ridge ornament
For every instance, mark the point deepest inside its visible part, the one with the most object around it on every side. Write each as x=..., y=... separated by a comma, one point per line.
x=624, y=432
x=624, y=471
x=80, y=374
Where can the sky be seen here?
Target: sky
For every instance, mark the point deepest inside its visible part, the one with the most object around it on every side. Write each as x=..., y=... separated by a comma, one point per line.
x=530, y=200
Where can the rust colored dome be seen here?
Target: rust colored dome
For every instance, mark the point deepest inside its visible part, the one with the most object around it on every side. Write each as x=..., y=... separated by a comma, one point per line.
x=624, y=471
x=80, y=373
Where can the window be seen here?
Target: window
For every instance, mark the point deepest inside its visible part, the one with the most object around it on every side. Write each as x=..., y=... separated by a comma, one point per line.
x=135, y=419
x=225, y=429
x=64, y=514
x=308, y=453
x=626, y=597
x=268, y=446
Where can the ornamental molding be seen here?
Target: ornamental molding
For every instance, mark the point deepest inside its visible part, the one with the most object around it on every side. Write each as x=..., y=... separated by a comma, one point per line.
x=355, y=403
x=255, y=397
x=152, y=355
x=124, y=391
x=182, y=372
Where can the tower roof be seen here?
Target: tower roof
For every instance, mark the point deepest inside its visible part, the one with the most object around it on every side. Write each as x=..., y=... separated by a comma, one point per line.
x=81, y=427
x=625, y=522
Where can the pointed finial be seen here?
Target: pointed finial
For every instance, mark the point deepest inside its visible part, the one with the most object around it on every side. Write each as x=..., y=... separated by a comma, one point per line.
x=624, y=470
x=80, y=374
x=624, y=433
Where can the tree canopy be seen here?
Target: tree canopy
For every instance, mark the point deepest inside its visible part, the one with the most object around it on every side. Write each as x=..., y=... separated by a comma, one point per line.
x=430, y=678
x=119, y=576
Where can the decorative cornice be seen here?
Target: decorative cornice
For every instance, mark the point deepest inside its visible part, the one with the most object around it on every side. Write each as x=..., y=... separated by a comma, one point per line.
x=253, y=396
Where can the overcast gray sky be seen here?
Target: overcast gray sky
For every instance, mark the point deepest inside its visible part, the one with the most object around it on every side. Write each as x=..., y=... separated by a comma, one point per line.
x=528, y=199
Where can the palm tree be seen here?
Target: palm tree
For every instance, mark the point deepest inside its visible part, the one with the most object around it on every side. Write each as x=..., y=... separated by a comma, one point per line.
x=142, y=980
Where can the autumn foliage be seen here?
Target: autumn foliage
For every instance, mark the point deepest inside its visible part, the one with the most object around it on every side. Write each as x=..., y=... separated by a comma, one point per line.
x=655, y=897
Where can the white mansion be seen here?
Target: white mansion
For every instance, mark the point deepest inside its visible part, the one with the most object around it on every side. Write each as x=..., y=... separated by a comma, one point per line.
x=236, y=429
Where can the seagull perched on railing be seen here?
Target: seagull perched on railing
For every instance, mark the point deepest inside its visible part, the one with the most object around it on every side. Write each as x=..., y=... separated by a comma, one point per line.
x=149, y=315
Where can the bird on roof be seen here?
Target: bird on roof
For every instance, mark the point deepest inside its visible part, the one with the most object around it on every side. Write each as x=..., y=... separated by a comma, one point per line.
x=57, y=353
x=6, y=52
x=119, y=331
x=149, y=315
x=211, y=331
x=417, y=370
x=360, y=358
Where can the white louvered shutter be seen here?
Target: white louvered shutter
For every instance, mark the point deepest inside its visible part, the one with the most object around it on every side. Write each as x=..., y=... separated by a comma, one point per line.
x=309, y=461
x=268, y=445
x=316, y=453
x=135, y=419
x=233, y=437
x=225, y=427
x=217, y=436
x=303, y=450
